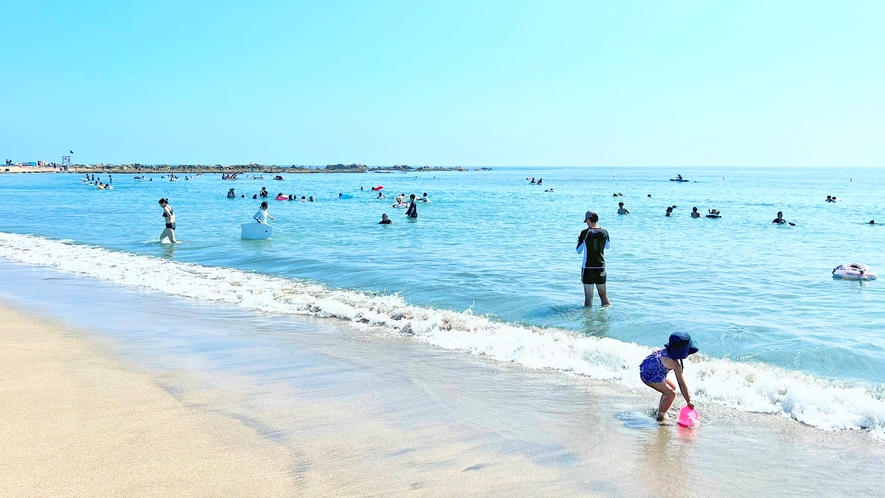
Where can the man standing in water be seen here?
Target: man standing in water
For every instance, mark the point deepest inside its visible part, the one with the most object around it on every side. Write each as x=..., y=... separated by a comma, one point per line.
x=593, y=242
x=412, y=212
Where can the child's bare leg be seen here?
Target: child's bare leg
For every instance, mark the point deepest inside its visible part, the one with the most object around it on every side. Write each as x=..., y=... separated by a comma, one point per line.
x=668, y=395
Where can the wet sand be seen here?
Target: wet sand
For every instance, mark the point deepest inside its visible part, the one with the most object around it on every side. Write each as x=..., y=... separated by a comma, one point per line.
x=78, y=423
x=310, y=407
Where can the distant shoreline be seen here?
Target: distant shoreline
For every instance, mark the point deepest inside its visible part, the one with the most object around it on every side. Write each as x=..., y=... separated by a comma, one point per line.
x=227, y=169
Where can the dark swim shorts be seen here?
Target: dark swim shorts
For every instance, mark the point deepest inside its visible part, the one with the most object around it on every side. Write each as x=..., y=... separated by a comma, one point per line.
x=170, y=225
x=591, y=276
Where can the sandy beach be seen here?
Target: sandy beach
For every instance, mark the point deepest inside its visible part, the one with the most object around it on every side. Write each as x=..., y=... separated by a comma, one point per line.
x=77, y=423
x=30, y=169
x=202, y=399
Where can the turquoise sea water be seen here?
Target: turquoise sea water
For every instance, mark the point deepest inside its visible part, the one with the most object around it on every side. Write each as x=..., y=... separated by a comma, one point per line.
x=751, y=293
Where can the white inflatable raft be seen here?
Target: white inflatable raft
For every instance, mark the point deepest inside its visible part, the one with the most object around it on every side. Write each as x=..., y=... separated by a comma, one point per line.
x=854, y=271
x=256, y=231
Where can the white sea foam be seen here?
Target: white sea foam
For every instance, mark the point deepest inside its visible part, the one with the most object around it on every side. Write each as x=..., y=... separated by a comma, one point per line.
x=827, y=404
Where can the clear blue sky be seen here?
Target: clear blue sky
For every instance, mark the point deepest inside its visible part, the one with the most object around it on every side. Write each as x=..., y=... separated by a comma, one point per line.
x=749, y=83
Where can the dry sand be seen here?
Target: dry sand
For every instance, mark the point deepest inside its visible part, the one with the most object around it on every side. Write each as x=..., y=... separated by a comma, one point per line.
x=77, y=423
x=30, y=169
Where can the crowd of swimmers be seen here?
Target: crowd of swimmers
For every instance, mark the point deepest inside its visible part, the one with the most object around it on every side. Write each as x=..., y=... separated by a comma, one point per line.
x=96, y=180
x=400, y=201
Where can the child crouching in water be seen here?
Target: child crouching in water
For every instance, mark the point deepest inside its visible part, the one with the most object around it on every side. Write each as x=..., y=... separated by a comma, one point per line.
x=654, y=369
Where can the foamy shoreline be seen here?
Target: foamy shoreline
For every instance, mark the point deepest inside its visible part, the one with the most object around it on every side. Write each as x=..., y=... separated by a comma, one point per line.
x=819, y=402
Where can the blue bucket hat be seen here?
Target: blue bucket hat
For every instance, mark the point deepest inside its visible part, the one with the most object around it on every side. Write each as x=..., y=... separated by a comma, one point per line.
x=680, y=346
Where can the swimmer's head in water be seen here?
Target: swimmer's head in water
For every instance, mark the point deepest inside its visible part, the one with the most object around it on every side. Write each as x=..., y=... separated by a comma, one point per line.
x=780, y=214
x=592, y=216
x=384, y=216
x=264, y=205
x=620, y=204
x=163, y=202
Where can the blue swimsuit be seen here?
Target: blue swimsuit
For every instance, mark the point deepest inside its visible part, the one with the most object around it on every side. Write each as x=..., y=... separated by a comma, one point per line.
x=652, y=370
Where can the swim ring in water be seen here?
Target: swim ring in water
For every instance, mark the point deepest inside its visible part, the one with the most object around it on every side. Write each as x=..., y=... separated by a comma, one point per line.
x=854, y=271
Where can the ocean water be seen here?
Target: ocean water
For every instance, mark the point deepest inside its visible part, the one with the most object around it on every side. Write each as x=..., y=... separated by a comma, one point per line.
x=489, y=268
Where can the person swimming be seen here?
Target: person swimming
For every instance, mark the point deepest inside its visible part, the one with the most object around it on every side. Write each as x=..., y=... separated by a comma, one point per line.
x=622, y=209
x=780, y=219
x=695, y=213
x=231, y=194
x=385, y=220
x=669, y=211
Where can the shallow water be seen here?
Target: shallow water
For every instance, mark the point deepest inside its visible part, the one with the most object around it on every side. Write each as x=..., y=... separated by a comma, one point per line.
x=384, y=416
x=758, y=298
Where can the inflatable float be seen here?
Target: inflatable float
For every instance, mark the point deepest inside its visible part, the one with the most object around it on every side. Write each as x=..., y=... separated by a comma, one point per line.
x=256, y=231
x=282, y=198
x=345, y=196
x=854, y=271
x=379, y=187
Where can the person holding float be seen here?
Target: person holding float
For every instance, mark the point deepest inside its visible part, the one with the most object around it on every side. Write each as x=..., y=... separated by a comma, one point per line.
x=261, y=216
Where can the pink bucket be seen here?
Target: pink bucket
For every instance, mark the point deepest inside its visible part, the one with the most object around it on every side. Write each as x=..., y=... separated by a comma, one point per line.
x=688, y=417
